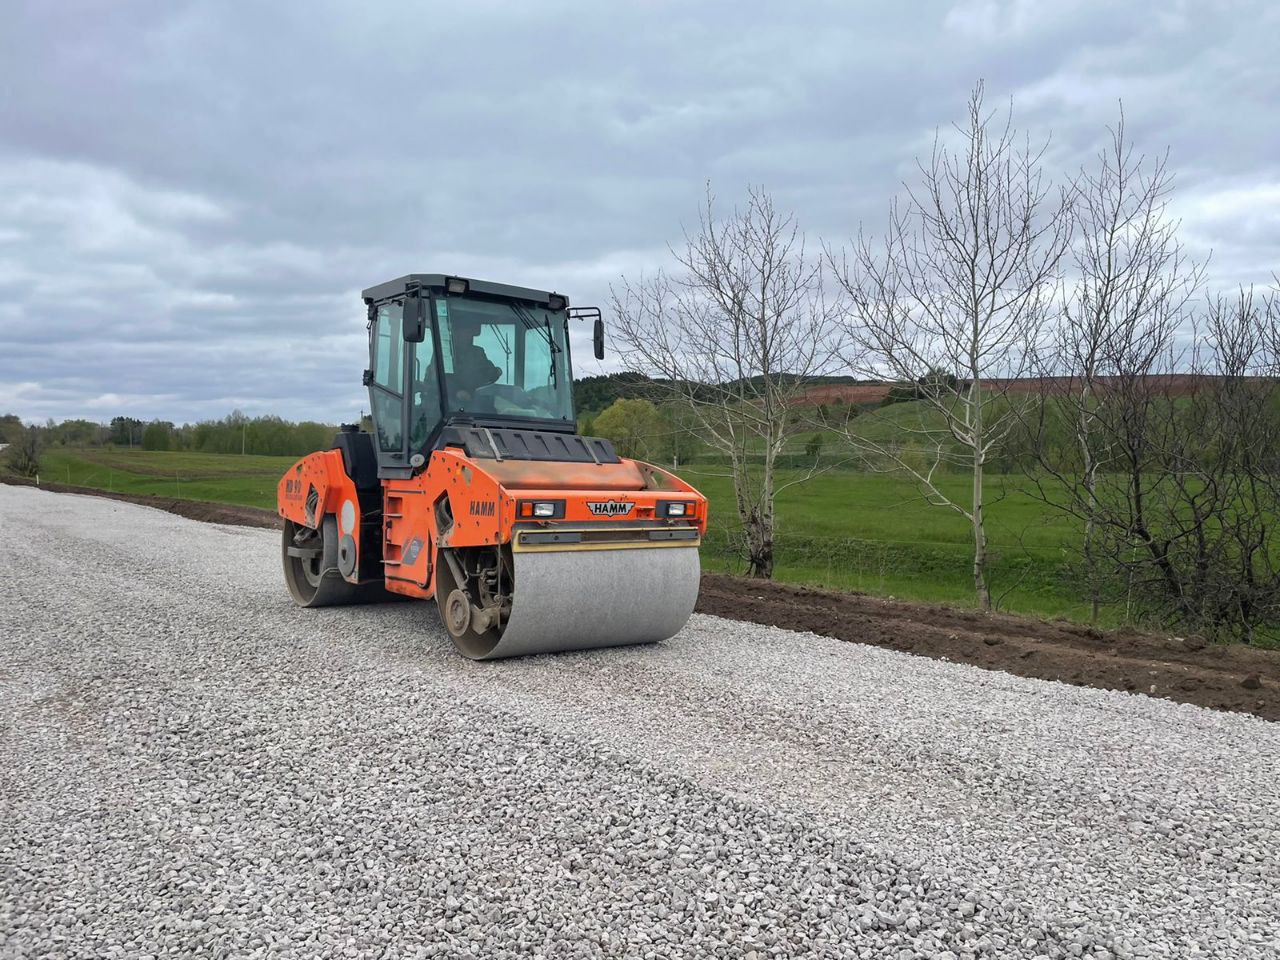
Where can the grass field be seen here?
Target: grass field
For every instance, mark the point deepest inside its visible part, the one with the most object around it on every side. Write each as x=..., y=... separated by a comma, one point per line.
x=857, y=531
x=873, y=533
x=245, y=480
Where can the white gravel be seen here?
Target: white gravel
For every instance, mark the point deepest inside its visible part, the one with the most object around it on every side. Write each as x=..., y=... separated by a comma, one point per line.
x=191, y=766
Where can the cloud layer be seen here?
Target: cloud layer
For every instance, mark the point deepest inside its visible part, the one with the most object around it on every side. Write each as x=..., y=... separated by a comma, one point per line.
x=193, y=194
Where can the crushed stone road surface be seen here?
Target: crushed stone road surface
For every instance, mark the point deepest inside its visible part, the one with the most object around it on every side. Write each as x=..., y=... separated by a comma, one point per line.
x=191, y=766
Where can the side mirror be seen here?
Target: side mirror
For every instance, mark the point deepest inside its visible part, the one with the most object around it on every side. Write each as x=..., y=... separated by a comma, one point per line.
x=414, y=318
x=597, y=333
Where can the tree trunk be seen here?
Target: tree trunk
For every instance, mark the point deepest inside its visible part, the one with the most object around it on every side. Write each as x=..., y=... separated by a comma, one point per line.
x=757, y=521
x=1090, y=562
x=1091, y=495
x=978, y=434
x=979, y=540
x=760, y=535
x=760, y=547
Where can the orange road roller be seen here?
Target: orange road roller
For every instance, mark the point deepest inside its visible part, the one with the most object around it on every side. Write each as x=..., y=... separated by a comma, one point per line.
x=475, y=488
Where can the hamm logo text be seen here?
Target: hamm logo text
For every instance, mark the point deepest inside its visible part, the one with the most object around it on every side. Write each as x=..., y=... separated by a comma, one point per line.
x=609, y=508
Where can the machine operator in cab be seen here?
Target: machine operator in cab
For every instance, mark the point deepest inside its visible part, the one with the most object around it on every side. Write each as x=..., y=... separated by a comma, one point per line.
x=472, y=368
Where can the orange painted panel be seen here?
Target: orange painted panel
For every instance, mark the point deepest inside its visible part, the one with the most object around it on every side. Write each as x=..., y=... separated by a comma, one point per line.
x=543, y=474
x=334, y=492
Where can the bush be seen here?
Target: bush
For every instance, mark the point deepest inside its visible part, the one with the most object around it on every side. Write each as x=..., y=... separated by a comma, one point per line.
x=22, y=455
x=637, y=428
x=157, y=436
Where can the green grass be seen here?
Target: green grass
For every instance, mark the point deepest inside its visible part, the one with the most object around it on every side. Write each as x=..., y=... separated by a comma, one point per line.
x=873, y=533
x=842, y=529
x=226, y=478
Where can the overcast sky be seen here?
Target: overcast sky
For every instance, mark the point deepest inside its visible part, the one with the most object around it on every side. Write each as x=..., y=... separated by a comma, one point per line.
x=192, y=195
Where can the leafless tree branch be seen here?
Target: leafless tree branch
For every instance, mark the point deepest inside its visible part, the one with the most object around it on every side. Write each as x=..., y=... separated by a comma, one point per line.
x=735, y=333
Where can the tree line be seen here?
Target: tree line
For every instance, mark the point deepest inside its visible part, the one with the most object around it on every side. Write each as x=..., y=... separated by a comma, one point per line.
x=234, y=433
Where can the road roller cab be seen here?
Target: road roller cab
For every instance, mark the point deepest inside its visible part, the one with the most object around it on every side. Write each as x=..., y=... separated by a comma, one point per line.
x=475, y=489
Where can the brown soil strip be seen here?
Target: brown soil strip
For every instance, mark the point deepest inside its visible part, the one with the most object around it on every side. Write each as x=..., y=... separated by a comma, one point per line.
x=1225, y=677
x=1187, y=670
x=193, y=509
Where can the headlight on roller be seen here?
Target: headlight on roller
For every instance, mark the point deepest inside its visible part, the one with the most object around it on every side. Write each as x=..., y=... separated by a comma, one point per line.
x=674, y=508
x=540, y=509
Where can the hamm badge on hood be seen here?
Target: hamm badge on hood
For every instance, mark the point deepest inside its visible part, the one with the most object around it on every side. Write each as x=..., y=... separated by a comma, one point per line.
x=610, y=508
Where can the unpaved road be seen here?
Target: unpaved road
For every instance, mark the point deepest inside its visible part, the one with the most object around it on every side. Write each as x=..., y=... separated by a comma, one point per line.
x=190, y=765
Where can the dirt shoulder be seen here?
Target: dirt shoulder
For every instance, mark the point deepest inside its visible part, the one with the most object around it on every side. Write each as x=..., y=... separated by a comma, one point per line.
x=1187, y=670
x=193, y=509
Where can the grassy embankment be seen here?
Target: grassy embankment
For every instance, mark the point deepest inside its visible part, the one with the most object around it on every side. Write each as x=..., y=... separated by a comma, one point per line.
x=873, y=533
x=224, y=478
x=858, y=531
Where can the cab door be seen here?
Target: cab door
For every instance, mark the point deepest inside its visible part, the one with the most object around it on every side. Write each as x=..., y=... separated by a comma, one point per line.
x=388, y=363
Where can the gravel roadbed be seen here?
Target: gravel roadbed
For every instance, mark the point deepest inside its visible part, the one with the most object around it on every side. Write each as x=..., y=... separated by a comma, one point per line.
x=189, y=765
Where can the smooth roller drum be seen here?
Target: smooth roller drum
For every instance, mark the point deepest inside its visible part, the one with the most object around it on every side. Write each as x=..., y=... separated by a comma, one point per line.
x=583, y=599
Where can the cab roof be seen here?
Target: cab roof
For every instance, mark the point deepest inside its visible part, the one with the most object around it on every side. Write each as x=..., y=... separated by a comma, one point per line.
x=435, y=283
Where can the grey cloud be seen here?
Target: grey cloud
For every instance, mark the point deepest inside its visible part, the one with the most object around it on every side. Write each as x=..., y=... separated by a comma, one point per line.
x=192, y=194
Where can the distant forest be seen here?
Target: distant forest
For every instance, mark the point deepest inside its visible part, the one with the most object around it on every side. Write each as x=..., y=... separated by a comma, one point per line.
x=275, y=436
x=235, y=433
x=265, y=435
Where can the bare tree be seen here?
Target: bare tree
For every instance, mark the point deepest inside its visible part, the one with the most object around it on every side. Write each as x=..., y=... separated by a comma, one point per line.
x=1186, y=514
x=953, y=300
x=1117, y=319
x=23, y=451
x=735, y=335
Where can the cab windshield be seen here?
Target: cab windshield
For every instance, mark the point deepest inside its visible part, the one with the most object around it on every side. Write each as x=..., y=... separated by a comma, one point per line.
x=503, y=359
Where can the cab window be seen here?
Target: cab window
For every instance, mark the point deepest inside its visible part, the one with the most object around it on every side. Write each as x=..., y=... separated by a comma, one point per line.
x=424, y=400
x=385, y=393
x=388, y=343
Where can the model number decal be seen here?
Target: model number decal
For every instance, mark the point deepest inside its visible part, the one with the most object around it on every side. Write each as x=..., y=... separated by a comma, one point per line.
x=610, y=508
